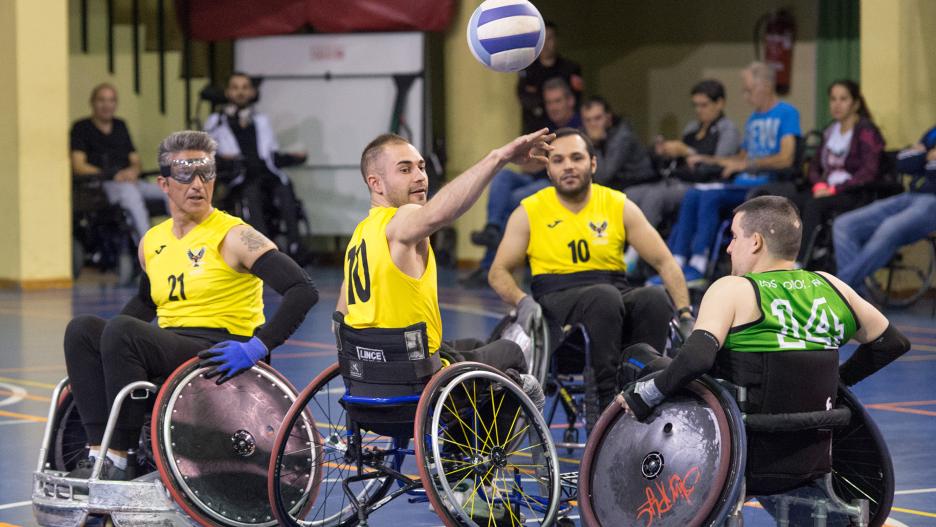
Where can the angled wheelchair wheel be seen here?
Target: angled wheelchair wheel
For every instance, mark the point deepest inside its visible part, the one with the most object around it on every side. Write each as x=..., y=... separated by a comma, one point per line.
x=908, y=276
x=212, y=443
x=69, y=441
x=861, y=463
x=484, y=453
x=684, y=466
x=313, y=454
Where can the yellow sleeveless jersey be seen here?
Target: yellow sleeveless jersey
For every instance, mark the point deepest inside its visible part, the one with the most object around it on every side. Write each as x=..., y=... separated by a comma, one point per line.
x=191, y=284
x=564, y=242
x=379, y=294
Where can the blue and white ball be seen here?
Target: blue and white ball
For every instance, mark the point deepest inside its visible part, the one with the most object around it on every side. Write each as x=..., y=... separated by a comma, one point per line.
x=506, y=35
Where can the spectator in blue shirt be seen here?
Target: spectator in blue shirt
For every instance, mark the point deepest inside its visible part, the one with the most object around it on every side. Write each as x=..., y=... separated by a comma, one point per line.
x=769, y=145
x=866, y=239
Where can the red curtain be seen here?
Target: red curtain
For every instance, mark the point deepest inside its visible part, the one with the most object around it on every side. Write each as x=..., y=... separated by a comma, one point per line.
x=211, y=20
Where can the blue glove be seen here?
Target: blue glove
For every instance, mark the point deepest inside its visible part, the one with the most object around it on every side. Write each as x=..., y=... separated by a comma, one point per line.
x=231, y=358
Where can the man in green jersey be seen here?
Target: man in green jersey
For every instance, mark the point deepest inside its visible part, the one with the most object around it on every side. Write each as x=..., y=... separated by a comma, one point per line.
x=774, y=330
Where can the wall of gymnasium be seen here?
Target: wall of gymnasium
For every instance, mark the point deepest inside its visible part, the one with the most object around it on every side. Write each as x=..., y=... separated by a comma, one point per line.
x=147, y=125
x=898, y=71
x=34, y=202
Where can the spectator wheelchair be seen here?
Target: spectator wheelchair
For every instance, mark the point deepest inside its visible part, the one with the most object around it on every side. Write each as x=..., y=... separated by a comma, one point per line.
x=202, y=457
x=702, y=453
x=102, y=234
x=483, y=452
x=232, y=176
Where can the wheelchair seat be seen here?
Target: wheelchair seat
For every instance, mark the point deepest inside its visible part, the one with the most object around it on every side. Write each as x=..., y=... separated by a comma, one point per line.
x=385, y=371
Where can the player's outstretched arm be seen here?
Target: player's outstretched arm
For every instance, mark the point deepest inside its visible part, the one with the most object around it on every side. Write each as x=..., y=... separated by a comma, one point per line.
x=413, y=223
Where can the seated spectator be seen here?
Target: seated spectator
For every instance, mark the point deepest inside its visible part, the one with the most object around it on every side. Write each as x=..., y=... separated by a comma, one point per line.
x=622, y=160
x=849, y=157
x=550, y=64
x=769, y=145
x=101, y=147
x=246, y=136
x=710, y=134
x=866, y=239
x=509, y=187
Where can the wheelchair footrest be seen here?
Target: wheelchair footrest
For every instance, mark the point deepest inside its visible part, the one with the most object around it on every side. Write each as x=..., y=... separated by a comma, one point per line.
x=64, y=502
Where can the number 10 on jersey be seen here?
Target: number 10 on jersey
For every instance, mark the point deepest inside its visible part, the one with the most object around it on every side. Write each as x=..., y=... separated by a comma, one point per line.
x=357, y=262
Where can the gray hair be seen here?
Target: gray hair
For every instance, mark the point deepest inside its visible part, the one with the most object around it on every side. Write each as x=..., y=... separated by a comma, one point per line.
x=558, y=83
x=762, y=72
x=186, y=140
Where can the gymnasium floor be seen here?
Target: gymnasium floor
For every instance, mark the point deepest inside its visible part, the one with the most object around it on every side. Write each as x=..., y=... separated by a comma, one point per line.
x=902, y=398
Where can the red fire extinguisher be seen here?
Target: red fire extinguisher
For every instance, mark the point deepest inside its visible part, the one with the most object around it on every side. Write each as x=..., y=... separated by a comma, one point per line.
x=777, y=31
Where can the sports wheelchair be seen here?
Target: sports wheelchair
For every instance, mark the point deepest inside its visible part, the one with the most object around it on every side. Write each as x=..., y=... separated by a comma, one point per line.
x=686, y=465
x=560, y=359
x=202, y=460
x=482, y=451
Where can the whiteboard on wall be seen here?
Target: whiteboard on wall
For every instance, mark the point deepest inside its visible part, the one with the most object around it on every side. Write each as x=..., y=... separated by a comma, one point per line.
x=328, y=96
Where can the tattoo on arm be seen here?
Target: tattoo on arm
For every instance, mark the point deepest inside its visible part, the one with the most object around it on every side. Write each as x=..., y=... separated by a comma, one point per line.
x=252, y=239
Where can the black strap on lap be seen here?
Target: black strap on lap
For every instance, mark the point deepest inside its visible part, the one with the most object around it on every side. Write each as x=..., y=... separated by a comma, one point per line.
x=544, y=284
x=385, y=355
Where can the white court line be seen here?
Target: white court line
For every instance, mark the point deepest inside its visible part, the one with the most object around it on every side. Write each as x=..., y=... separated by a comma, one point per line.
x=15, y=505
x=915, y=491
x=17, y=394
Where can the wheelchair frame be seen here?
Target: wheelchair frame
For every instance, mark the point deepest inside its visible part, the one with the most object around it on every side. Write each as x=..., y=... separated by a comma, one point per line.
x=346, y=442
x=60, y=501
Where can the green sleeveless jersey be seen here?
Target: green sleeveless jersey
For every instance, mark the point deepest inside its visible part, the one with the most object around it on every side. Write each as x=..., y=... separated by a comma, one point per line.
x=800, y=310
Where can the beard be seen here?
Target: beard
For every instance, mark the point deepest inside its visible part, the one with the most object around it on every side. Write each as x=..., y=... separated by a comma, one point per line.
x=573, y=193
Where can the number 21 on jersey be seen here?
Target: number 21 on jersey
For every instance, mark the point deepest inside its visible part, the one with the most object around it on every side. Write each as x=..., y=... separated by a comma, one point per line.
x=357, y=265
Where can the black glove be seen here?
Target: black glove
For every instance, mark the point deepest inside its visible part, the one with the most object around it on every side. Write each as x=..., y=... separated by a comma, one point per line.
x=637, y=403
x=527, y=311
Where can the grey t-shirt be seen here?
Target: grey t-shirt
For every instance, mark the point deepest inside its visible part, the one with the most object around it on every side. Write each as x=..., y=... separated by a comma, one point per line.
x=729, y=137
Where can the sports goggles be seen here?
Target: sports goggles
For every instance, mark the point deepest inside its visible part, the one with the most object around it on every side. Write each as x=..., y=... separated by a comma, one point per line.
x=185, y=170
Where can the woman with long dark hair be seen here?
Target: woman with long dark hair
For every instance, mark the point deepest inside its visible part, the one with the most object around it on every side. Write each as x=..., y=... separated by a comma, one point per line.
x=848, y=159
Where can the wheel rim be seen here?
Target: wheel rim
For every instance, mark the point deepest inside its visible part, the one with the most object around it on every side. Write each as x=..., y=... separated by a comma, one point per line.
x=70, y=439
x=209, y=475
x=315, y=505
x=504, y=472
x=861, y=464
x=712, y=492
x=915, y=278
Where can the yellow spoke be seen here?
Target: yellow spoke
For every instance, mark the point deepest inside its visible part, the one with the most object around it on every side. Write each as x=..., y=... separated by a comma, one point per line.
x=497, y=408
x=519, y=433
x=464, y=424
x=472, y=397
x=510, y=510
